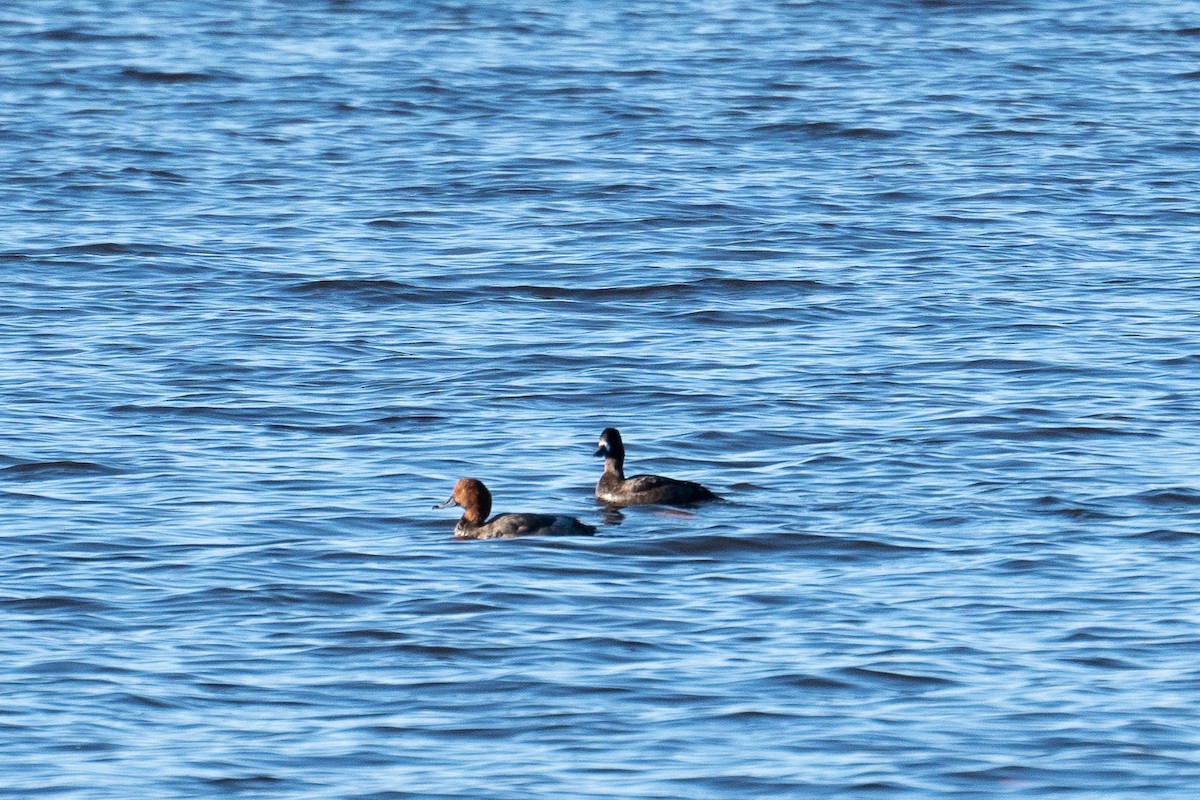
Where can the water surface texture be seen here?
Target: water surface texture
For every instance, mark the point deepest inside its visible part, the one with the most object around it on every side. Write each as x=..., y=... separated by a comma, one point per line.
x=914, y=285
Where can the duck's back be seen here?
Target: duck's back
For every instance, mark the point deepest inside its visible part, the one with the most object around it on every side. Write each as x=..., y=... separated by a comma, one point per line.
x=651, y=490
x=507, y=526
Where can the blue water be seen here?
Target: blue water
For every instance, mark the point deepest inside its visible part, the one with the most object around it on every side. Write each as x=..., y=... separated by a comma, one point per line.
x=914, y=285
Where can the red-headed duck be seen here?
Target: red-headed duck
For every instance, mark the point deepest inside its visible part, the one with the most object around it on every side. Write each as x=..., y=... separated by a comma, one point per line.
x=476, y=501
x=617, y=490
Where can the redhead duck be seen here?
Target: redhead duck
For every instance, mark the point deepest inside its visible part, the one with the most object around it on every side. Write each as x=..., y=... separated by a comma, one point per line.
x=615, y=489
x=476, y=501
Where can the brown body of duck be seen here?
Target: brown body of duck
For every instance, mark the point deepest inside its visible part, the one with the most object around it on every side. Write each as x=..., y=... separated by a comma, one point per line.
x=476, y=502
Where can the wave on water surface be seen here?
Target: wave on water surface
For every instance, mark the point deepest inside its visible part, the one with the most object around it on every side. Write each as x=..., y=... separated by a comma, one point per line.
x=38, y=470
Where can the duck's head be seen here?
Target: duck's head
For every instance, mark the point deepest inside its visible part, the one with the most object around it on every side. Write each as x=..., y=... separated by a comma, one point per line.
x=610, y=445
x=473, y=497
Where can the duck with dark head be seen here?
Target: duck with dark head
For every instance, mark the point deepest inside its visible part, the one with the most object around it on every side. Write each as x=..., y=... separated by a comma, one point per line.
x=617, y=490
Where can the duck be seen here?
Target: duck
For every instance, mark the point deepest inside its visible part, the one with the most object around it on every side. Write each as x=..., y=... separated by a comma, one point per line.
x=617, y=490
x=476, y=501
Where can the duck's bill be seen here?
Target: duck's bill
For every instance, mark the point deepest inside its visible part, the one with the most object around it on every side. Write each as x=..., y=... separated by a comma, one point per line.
x=447, y=504
x=601, y=451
